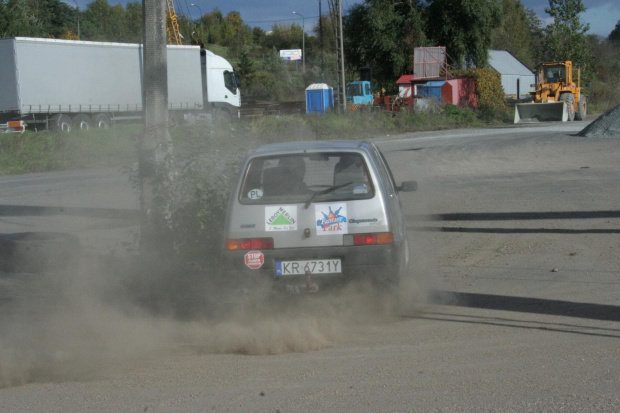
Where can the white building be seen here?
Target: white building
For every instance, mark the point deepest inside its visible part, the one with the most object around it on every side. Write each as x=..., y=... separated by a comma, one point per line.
x=516, y=76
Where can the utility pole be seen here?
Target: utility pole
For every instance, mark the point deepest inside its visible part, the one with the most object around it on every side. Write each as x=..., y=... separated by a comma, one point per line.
x=303, y=40
x=78, y=17
x=342, y=95
x=321, y=37
x=335, y=12
x=155, y=151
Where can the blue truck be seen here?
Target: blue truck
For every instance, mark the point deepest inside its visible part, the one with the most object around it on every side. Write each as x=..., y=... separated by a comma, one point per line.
x=360, y=93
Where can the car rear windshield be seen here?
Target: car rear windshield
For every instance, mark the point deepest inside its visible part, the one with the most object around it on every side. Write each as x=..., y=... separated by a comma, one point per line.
x=307, y=177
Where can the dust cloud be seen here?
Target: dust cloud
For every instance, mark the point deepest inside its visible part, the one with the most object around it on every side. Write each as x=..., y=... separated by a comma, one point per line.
x=97, y=318
x=103, y=315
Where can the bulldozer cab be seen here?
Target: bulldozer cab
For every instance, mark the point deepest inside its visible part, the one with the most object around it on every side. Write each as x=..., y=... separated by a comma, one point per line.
x=554, y=74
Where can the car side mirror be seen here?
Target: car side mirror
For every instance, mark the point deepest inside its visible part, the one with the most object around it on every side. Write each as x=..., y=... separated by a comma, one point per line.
x=408, y=186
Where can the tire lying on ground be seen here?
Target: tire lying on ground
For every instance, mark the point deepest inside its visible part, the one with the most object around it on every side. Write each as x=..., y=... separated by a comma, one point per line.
x=37, y=251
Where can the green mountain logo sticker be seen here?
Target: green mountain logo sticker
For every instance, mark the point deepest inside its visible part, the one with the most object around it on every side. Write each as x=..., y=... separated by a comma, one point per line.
x=281, y=218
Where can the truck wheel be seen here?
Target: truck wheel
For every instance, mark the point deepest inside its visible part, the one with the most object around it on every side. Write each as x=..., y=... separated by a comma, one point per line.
x=582, y=109
x=61, y=123
x=222, y=118
x=570, y=105
x=82, y=122
x=102, y=121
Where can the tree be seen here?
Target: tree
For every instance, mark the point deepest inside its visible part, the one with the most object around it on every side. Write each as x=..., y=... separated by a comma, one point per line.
x=614, y=36
x=56, y=17
x=212, y=24
x=514, y=33
x=465, y=27
x=246, y=68
x=274, y=79
x=537, y=37
x=565, y=38
x=381, y=34
x=258, y=35
x=17, y=19
x=236, y=34
x=284, y=37
x=328, y=43
x=117, y=25
x=133, y=19
x=97, y=21
x=604, y=88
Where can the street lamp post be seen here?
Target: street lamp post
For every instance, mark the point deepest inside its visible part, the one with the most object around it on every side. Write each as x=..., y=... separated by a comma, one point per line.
x=200, y=10
x=303, y=40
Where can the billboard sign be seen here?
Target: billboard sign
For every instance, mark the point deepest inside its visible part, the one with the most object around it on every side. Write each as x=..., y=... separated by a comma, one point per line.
x=429, y=62
x=293, y=54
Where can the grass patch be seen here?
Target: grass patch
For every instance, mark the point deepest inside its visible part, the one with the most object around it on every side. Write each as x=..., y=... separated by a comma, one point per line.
x=43, y=151
x=49, y=151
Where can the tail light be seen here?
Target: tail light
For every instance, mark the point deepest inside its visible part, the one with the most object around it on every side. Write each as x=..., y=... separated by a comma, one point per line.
x=378, y=238
x=249, y=244
x=17, y=126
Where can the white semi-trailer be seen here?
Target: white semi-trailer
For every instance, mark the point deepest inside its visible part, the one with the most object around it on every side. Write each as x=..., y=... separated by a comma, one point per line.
x=64, y=84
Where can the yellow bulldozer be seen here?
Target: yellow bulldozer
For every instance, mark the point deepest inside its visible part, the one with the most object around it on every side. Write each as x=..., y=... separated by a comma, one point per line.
x=557, y=96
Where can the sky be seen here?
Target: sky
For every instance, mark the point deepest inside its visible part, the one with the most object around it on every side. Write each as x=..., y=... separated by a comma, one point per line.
x=602, y=15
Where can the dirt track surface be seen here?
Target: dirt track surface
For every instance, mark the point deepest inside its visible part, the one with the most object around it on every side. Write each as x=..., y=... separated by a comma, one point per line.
x=513, y=305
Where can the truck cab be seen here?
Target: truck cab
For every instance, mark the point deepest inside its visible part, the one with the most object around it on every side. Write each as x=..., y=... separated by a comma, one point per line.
x=360, y=93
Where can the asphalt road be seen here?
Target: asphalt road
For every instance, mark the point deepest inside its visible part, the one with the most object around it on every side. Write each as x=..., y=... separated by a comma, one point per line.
x=513, y=304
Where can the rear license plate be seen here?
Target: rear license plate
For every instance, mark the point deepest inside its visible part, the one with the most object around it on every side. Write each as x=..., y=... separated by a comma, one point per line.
x=332, y=266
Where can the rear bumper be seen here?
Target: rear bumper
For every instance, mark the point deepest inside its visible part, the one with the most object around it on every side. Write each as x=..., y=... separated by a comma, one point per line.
x=375, y=263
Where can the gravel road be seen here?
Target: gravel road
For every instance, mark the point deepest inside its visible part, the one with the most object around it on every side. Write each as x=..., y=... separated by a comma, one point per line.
x=513, y=302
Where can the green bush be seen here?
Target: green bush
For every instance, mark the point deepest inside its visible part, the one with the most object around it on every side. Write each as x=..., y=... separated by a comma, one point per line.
x=199, y=201
x=462, y=116
x=488, y=113
x=29, y=152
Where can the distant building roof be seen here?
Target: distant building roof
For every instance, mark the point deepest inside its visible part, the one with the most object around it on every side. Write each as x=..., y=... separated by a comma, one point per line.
x=404, y=79
x=507, y=64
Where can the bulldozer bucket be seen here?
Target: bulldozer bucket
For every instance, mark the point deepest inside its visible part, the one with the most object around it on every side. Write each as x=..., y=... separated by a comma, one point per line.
x=540, y=112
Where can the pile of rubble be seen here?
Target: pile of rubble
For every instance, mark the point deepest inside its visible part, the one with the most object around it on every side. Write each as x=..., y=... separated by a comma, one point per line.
x=606, y=126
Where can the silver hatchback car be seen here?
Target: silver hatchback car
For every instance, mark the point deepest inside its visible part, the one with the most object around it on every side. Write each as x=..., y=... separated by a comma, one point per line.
x=306, y=215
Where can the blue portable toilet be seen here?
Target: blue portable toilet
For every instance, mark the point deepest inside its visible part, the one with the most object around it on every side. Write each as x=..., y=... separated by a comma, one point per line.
x=319, y=98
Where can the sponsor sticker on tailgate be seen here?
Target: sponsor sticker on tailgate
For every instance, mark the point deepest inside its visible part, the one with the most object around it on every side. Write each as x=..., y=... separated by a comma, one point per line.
x=281, y=218
x=331, y=219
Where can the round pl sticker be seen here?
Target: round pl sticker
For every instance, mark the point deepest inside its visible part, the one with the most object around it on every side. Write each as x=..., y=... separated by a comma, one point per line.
x=255, y=193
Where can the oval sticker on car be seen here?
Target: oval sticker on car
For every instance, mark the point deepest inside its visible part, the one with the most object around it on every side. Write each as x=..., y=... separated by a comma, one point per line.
x=255, y=193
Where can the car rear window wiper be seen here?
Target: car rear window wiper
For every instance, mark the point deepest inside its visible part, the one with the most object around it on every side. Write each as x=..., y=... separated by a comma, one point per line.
x=323, y=192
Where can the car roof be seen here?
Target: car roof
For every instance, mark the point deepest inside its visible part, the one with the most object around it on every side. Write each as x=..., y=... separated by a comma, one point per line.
x=312, y=146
